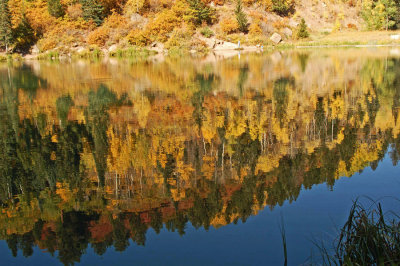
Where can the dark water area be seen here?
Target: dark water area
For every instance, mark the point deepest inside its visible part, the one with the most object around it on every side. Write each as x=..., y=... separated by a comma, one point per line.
x=194, y=161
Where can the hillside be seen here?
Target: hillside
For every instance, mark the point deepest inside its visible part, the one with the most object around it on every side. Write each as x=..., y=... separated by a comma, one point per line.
x=79, y=26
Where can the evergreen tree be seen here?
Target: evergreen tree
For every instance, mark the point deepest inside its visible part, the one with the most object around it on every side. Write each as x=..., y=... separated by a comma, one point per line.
x=201, y=12
x=5, y=25
x=55, y=8
x=92, y=10
x=241, y=17
x=24, y=36
x=302, y=31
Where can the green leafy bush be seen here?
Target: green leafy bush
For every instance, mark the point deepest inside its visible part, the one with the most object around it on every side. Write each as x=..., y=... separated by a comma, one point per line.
x=207, y=32
x=283, y=7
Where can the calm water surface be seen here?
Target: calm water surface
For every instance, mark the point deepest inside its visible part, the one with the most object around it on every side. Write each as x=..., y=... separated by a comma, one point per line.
x=194, y=161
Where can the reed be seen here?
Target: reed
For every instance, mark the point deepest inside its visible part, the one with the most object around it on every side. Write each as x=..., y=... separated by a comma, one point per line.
x=369, y=237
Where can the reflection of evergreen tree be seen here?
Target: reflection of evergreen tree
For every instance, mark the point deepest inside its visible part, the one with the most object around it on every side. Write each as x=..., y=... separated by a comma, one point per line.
x=281, y=97
x=63, y=104
x=246, y=152
x=97, y=122
x=138, y=229
x=243, y=76
x=24, y=78
x=12, y=242
x=204, y=84
x=156, y=220
x=73, y=236
x=205, y=209
x=348, y=146
x=120, y=234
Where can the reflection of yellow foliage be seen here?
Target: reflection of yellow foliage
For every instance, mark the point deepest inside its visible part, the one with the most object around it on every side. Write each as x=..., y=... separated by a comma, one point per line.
x=267, y=163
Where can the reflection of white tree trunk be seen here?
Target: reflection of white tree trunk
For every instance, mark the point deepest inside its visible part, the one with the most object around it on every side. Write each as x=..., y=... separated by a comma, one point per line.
x=222, y=159
x=141, y=177
x=116, y=184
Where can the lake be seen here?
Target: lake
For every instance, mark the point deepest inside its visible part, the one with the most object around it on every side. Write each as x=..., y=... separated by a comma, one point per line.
x=194, y=161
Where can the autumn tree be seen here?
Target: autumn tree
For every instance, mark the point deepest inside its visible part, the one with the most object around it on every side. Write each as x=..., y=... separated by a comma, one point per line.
x=55, y=8
x=5, y=25
x=92, y=10
x=241, y=17
x=134, y=6
x=380, y=14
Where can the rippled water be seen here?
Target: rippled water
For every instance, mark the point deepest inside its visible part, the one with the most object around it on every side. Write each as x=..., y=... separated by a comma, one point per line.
x=194, y=161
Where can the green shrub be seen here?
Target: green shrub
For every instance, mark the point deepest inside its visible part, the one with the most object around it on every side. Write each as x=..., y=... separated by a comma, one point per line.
x=55, y=8
x=283, y=7
x=207, y=32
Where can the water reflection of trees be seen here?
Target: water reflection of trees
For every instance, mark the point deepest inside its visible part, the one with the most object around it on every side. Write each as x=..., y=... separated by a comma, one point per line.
x=107, y=178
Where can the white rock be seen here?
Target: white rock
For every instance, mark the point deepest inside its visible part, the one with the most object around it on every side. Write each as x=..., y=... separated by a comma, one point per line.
x=80, y=50
x=136, y=18
x=288, y=32
x=225, y=46
x=112, y=48
x=395, y=36
x=35, y=49
x=276, y=38
x=293, y=24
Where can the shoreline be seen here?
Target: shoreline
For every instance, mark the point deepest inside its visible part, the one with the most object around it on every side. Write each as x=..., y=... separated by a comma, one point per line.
x=224, y=48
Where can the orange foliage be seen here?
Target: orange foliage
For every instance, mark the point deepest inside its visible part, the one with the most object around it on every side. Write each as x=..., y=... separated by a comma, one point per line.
x=39, y=17
x=74, y=11
x=229, y=25
x=114, y=28
x=255, y=29
x=99, y=36
x=138, y=38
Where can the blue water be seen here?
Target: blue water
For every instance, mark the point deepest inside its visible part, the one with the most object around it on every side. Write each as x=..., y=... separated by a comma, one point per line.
x=315, y=216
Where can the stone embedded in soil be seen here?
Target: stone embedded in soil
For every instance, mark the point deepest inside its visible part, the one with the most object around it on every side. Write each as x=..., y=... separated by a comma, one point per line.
x=276, y=38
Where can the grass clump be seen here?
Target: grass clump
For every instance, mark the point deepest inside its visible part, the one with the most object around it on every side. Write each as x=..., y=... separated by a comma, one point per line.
x=207, y=32
x=131, y=52
x=93, y=53
x=368, y=237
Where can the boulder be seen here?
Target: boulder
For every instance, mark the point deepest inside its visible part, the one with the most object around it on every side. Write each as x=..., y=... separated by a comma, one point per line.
x=221, y=45
x=35, y=50
x=288, y=32
x=157, y=47
x=395, y=37
x=276, y=38
x=112, y=48
x=136, y=18
x=293, y=24
x=80, y=50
